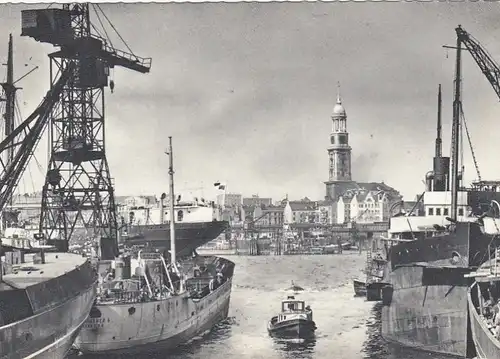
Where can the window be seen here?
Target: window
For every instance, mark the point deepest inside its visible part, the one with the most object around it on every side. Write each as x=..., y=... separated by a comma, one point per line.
x=438, y=211
x=431, y=211
x=460, y=211
x=445, y=212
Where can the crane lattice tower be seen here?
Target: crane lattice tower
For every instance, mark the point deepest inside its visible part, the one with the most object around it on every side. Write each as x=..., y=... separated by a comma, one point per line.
x=78, y=190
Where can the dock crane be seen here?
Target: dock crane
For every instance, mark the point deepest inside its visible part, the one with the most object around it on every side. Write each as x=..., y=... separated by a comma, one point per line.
x=488, y=66
x=491, y=70
x=78, y=187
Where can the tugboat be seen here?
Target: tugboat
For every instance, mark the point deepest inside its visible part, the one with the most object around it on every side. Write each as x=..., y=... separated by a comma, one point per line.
x=294, y=321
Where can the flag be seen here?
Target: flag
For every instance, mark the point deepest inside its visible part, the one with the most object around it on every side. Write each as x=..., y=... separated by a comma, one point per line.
x=220, y=186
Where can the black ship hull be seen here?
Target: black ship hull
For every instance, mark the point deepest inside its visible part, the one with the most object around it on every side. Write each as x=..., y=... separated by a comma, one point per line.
x=58, y=308
x=374, y=291
x=425, y=304
x=188, y=236
x=294, y=329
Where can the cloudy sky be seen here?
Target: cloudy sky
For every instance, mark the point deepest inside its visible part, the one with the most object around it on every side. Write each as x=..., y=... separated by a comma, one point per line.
x=246, y=90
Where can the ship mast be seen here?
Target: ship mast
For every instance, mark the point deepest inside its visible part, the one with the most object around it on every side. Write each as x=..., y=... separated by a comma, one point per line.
x=10, y=98
x=455, y=132
x=172, y=199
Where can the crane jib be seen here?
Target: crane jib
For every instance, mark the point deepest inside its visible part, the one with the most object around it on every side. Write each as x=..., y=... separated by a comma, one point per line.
x=10, y=176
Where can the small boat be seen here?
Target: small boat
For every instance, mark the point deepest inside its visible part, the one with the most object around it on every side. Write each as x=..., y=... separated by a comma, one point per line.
x=295, y=288
x=294, y=321
x=359, y=288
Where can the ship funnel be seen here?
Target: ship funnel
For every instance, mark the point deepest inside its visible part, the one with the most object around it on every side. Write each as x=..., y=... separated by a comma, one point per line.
x=441, y=165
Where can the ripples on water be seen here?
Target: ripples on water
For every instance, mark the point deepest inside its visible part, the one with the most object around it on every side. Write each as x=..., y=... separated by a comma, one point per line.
x=348, y=327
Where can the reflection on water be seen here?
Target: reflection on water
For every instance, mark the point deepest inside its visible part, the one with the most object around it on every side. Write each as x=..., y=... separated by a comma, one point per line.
x=295, y=348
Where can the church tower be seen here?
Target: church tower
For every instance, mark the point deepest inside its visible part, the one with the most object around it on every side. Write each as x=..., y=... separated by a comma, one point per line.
x=339, y=151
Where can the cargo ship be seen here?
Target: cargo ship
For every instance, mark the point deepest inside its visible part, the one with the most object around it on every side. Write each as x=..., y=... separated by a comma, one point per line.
x=44, y=297
x=425, y=299
x=158, y=308
x=167, y=301
x=196, y=223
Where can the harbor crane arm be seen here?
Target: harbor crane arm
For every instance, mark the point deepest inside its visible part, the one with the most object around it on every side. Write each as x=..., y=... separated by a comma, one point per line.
x=25, y=143
x=75, y=37
x=488, y=66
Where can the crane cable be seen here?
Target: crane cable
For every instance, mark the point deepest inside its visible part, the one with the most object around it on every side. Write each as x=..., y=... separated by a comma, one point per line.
x=470, y=143
x=102, y=25
x=111, y=24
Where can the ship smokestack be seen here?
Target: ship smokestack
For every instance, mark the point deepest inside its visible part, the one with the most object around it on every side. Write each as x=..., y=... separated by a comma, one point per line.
x=441, y=166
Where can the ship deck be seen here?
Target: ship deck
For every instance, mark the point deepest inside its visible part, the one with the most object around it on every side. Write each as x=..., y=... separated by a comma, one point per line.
x=26, y=274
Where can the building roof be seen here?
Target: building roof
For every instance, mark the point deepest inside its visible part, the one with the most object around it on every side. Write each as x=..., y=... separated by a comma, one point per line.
x=349, y=189
x=327, y=202
x=302, y=205
x=122, y=199
x=273, y=209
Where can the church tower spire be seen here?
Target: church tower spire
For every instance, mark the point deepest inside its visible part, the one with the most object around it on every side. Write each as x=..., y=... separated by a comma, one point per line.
x=339, y=151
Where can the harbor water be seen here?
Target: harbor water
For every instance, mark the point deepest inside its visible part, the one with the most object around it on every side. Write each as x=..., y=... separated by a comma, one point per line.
x=348, y=327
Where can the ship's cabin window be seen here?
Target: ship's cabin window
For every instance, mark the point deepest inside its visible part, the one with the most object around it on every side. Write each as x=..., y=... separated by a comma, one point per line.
x=431, y=211
x=293, y=306
x=460, y=211
x=438, y=211
x=445, y=211
x=180, y=216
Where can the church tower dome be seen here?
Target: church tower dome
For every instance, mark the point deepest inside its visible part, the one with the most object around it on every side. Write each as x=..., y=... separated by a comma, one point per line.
x=338, y=109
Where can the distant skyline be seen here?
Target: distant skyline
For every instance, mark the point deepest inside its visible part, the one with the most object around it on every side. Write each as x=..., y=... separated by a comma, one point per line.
x=247, y=89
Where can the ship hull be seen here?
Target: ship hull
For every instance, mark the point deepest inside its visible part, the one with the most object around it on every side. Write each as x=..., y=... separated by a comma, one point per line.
x=50, y=333
x=294, y=328
x=359, y=288
x=154, y=326
x=487, y=347
x=188, y=236
x=426, y=306
x=425, y=314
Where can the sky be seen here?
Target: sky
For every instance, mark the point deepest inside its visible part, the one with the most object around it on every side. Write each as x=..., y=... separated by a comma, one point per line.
x=247, y=89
